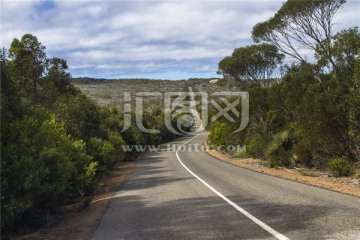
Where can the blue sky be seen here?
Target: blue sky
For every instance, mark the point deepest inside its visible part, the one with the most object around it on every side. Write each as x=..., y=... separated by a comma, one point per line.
x=171, y=39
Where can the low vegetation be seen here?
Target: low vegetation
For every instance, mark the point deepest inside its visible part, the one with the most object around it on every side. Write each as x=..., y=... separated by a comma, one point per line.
x=340, y=167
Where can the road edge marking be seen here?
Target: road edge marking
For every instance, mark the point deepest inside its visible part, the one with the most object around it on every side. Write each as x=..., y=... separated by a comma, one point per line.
x=263, y=225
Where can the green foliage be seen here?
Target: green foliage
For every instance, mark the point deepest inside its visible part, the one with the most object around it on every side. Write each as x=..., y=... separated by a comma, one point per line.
x=39, y=165
x=317, y=103
x=56, y=82
x=278, y=153
x=302, y=154
x=55, y=142
x=274, y=121
x=117, y=141
x=257, y=68
x=102, y=151
x=354, y=108
x=340, y=167
x=219, y=133
x=28, y=62
x=346, y=44
x=80, y=115
x=258, y=141
x=317, y=137
x=299, y=25
x=10, y=99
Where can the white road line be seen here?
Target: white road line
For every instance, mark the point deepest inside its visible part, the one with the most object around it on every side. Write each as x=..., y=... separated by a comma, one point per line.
x=266, y=227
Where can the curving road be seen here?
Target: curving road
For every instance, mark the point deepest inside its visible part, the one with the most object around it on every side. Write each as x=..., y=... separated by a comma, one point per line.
x=191, y=195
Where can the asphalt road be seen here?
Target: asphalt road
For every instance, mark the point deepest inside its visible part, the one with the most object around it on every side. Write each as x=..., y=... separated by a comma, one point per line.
x=191, y=195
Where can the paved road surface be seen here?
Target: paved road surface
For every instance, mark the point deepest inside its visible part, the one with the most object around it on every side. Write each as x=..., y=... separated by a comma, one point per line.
x=162, y=200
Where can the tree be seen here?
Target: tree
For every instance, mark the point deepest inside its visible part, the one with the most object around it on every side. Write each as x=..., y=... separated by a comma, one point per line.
x=28, y=62
x=354, y=111
x=344, y=48
x=298, y=25
x=41, y=166
x=256, y=63
x=80, y=115
x=10, y=99
x=57, y=81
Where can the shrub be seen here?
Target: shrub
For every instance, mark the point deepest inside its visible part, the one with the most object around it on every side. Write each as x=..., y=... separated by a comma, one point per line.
x=39, y=166
x=80, y=115
x=117, y=141
x=279, y=152
x=340, y=167
x=302, y=154
x=257, y=142
x=274, y=121
x=219, y=133
x=103, y=152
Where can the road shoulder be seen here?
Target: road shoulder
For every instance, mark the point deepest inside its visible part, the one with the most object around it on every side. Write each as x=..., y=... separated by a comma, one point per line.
x=343, y=185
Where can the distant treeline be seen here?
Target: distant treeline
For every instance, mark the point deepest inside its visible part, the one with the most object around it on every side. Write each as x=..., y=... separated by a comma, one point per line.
x=89, y=80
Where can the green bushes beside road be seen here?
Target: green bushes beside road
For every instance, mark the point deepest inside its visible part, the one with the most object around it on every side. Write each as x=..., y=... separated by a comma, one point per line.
x=55, y=142
x=311, y=115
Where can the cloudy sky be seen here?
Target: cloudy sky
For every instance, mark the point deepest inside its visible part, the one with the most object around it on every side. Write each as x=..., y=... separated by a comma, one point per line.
x=171, y=39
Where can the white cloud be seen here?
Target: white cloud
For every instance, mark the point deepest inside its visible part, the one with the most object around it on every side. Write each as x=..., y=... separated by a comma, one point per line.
x=130, y=38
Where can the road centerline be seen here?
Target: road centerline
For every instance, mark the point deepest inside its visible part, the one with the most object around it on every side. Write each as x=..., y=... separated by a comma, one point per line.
x=263, y=225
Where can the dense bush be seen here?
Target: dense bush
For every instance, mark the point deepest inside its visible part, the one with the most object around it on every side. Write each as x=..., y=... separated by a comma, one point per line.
x=317, y=103
x=340, y=167
x=323, y=120
x=302, y=154
x=40, y=166
x=219, y=133
x=55, y=142
x=278, y=153
x=80, y=115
